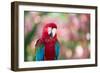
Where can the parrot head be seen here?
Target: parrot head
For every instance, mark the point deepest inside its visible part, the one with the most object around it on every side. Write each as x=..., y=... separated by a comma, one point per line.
x=49, y=31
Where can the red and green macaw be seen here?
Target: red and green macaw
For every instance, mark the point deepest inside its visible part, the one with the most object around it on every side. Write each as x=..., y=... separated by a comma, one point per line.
x=48, y=47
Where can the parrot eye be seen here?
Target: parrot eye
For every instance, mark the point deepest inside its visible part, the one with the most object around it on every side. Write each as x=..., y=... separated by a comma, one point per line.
x=54, y=31
x=49, y=30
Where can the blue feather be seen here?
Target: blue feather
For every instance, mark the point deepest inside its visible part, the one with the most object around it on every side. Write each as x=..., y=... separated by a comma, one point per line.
x=40, y=53
x=57, y=48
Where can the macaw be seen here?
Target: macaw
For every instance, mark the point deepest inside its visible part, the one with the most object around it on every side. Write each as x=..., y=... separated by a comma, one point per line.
x=48, y=47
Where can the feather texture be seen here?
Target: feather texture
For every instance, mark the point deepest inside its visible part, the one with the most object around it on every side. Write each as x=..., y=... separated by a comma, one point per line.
x=39, y=51
x=57, y=48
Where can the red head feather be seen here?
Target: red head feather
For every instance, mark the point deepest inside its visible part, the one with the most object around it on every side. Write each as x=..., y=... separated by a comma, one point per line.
x=45, y=30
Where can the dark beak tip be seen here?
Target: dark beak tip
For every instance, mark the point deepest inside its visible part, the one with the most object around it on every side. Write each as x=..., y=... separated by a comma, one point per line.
x=51, y=35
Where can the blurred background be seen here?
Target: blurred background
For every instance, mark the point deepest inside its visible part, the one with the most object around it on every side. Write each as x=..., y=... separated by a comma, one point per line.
x=73, y=33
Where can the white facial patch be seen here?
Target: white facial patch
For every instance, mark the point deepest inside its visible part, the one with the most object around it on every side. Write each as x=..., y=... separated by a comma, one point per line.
x=49, y=30
x=54, y=31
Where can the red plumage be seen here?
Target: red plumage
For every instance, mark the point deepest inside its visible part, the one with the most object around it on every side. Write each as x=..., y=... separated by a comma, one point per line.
x=48, y=42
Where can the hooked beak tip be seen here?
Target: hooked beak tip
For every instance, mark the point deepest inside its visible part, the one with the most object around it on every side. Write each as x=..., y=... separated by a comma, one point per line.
x=51, y=35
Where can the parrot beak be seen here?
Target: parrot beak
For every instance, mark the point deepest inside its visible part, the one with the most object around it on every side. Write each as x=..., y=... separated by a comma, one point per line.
x=52, y=32
x=51, y=35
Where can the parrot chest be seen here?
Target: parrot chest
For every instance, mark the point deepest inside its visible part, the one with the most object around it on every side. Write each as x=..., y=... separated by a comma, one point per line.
x=49, y=50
